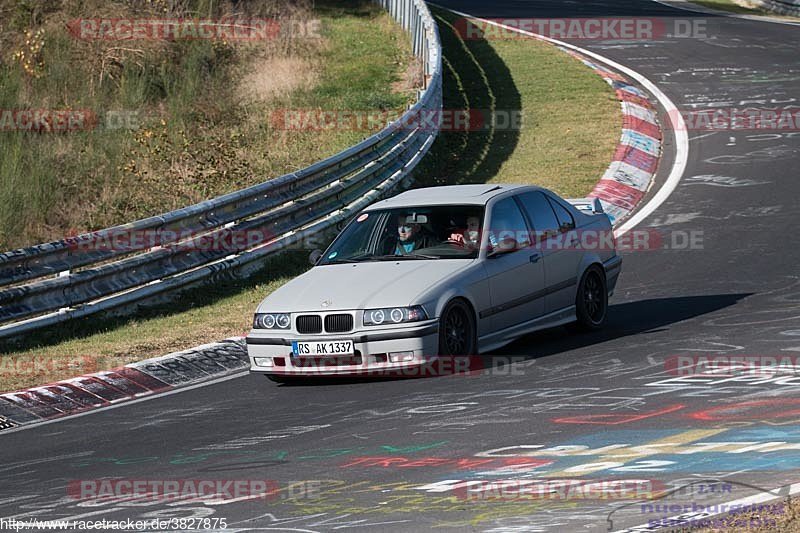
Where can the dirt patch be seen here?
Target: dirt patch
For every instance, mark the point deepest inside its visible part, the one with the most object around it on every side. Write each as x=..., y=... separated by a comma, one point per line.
x=269, y=78
x=412, y=78
x=747, y=3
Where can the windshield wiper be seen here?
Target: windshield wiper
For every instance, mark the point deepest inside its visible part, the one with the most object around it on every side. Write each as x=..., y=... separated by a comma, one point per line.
x=366, y=258
x=355, y=259
x=402, y=257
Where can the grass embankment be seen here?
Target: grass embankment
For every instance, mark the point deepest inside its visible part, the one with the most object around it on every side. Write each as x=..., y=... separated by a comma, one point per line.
x=177, y=121
x=571, y=126
x=570, y=118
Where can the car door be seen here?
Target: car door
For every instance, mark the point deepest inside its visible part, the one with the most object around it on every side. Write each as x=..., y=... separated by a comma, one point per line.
x=553, y=225
x=514, y=270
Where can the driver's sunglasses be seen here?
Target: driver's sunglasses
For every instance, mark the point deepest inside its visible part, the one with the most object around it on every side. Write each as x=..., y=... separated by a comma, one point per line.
x=404, y=229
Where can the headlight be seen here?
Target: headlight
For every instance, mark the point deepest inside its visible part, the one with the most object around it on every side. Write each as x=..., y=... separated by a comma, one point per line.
x=271, y=321
x=283, y=321
x=393, y=315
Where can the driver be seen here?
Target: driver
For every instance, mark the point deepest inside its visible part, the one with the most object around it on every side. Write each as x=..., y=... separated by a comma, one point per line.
x=471, y=237
x=411, y=237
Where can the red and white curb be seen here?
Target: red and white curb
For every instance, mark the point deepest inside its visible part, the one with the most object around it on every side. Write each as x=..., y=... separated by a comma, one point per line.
x=638, y=113
x=636, y=158
x=159, y=375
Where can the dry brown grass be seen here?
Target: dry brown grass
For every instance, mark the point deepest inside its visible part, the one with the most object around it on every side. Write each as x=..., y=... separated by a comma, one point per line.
x=413, y=77
x=269, y=78
x=189, y=141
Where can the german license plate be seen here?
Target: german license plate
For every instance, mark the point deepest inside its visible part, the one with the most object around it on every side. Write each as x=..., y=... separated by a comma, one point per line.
x=317, y=348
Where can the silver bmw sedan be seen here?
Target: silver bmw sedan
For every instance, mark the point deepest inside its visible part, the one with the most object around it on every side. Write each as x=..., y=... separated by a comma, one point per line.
x=439, y=272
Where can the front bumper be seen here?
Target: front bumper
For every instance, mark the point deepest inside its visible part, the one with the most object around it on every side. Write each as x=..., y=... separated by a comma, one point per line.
x=373, y=348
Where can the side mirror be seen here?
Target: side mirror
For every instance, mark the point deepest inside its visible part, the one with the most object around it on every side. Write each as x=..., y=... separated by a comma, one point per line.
x=506, y=246
x=509, y=244
x=314, y=257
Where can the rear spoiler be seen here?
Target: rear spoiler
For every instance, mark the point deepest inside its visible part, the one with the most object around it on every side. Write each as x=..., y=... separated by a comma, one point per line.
x=588, y=205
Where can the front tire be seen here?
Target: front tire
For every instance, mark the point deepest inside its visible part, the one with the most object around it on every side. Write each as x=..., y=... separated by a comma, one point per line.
x=591, y=301
x=457, y=330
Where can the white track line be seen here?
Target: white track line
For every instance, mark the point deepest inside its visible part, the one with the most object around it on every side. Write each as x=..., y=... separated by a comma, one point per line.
x=674, y=116
x=683, y=5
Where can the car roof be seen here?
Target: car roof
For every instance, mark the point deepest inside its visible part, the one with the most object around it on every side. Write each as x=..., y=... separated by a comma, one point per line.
x=448, y=195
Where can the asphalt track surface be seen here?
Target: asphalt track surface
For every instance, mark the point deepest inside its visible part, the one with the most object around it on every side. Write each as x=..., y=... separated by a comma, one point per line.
x=368, y=456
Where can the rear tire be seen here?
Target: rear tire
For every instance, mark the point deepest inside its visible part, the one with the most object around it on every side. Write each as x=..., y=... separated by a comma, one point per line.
x=591, y=300
x=457, y=330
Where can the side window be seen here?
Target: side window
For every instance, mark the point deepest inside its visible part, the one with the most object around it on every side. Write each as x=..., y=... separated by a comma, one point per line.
x=507, y=229
x=358, y=236
x=545, y=223
x=565, y=220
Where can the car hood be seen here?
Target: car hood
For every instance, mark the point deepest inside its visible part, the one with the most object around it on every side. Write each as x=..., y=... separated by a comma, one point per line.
x=360, y=285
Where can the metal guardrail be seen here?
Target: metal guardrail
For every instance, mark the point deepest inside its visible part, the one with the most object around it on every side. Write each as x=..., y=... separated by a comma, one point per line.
x=782, y=7
x=74, y=277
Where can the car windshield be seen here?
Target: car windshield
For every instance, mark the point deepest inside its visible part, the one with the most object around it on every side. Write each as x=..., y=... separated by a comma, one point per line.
x=409, y=234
